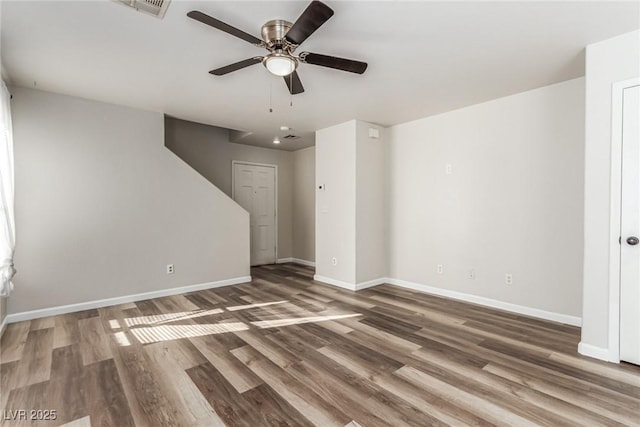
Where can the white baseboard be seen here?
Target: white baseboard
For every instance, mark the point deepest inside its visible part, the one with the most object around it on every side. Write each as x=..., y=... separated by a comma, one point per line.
x=593, y=351
x=515, y=308
x=303, y=262
x=350, y=286
x=63, y=309
x=296, y=261
x=487, y=302
x=334, y=282
x=3, y=325
x=371, y=283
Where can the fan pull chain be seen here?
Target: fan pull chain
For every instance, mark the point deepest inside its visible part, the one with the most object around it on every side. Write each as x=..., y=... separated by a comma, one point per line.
x=270, y=97
x=291, y=91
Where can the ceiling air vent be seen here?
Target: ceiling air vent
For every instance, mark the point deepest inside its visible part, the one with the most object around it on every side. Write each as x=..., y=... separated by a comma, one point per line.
x=156, y=8
x=291, y=137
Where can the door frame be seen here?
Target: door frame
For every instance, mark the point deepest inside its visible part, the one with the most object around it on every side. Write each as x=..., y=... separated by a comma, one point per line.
x=617, y=90
x=275, y=194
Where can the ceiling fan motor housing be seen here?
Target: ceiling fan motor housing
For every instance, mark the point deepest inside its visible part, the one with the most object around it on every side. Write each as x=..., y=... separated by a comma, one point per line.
x=273, y=33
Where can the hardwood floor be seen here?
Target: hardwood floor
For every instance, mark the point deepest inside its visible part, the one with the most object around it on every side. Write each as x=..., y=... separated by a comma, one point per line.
x=287, y=351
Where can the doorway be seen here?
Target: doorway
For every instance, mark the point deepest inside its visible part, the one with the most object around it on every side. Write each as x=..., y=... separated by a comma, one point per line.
x=253, y=187
x=630, y=228
x=624, y=303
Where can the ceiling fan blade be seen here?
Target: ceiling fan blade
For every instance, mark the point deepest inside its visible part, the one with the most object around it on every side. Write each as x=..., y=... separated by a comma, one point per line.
x=316, y=14
x=343, y=64
x=215, y=23
x=236, y=66
x=293, y=83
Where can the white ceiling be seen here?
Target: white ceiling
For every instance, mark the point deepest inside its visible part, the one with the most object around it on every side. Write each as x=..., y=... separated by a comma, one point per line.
x=424, y=57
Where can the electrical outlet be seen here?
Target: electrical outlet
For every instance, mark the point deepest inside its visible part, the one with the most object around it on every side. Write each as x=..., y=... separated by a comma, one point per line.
x=448, y=169
x=508, y=279
x=471, y=274
x=334, y=261
x=170, y=269
x=440, y=269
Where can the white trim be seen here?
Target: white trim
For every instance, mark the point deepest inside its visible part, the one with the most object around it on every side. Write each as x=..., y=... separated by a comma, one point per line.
x=351, y=286
x=617, y=90
x=475, y=299
x=3, y=325
x=593, y=351
x=63, y=309
x=334, y=282
x=488, y=302
x=275, y=195
x=371, y=283
x=296, y=261
x=304, y=262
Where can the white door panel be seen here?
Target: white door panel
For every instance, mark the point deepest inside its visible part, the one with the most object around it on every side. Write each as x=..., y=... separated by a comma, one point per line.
x=254, y=190
x=630, y=228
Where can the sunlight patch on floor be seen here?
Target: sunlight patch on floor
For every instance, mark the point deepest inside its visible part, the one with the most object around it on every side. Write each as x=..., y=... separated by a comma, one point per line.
x=121, y=339
x=155, y=328
x=263, y=324
x=175, y=332
x=114, y=324
x=248, y=306
x=157, y=319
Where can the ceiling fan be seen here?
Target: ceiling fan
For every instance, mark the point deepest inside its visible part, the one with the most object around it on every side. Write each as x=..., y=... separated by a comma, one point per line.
x=281, y=38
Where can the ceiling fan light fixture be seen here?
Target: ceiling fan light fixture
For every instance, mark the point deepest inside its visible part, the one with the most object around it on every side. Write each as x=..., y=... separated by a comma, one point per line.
x=281, y=39
x=280, y=64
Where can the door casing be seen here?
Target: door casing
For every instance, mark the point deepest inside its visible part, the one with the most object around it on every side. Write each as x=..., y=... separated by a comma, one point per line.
x=614, y=215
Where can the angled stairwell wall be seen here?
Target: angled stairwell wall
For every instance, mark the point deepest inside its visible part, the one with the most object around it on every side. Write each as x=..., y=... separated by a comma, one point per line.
x=208, y=150
x=102, y=207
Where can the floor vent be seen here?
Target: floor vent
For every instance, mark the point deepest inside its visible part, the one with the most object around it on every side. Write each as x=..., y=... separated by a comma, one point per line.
x=291, y=137
x=156, y=8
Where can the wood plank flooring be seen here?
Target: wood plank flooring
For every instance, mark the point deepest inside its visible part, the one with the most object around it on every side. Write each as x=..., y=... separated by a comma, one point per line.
x=287, y=351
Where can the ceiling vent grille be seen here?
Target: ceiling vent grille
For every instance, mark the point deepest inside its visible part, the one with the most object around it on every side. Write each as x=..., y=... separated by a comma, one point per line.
x=291, y=137
x=156, y=8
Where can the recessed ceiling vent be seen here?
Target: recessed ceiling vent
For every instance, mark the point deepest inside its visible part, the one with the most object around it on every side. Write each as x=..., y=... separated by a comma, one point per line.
x=291, y=137
x=156, y=8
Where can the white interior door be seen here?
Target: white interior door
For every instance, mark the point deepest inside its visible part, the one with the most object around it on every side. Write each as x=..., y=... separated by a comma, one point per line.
x=254, y=189
x=630, y=228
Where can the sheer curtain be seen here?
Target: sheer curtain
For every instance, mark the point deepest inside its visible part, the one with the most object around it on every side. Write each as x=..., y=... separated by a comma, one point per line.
x=7, y=223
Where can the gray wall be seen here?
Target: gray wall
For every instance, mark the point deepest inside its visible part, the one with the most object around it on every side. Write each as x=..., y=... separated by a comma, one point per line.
x=609, y=61
x=207, y=149
x=3, y=311
x=336, y=205
x=352, y=209
x=513, y=203
x=304, y=202
x=102, y=206
x=372, y=257
x=3, y=301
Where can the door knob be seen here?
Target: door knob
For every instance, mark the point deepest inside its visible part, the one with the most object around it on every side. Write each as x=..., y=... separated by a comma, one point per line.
x=633, y=241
